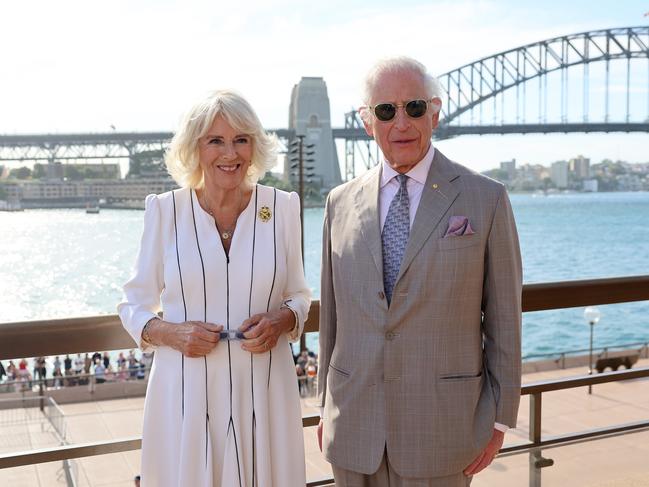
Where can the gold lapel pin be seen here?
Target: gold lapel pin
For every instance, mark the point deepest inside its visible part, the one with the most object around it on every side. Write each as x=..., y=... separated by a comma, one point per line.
x=264, y=214
x=434, y=185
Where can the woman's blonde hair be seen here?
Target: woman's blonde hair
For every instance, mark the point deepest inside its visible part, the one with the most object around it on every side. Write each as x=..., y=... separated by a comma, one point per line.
x=182, y=156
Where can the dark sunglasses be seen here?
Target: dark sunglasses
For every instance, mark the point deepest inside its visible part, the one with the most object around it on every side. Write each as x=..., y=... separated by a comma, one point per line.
x=387, y=111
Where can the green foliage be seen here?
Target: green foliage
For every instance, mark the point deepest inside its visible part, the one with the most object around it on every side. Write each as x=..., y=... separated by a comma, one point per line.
x=270, y=180
x=39, y=171
x=20, y=173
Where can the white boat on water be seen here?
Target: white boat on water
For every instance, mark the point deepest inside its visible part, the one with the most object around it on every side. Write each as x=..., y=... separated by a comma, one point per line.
x=92, y=209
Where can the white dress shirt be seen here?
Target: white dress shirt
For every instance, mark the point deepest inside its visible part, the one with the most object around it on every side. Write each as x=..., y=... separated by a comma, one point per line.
x=416, y=181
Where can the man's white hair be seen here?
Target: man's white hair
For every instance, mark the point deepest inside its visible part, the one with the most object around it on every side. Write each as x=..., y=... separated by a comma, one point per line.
x=396, y=65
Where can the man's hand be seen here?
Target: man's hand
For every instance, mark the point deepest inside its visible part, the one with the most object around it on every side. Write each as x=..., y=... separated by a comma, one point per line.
x=320, y=434
x=485, y=458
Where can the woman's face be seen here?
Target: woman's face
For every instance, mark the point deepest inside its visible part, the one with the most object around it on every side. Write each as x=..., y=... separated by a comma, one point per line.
x=224, y=156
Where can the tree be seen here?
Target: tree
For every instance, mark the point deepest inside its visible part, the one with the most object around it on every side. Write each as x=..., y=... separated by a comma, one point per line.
x=20, y=173
x=39, y=171
x=72, y=173
x=270, y=180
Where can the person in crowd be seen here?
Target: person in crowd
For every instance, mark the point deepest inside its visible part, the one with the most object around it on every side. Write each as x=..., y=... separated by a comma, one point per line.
x=79, y=362
x=23, y=376
x=87, y=363
x=106, y=360
x=41, y=369
x=95, y=356
x=421, y=264
x=100, y=371
x=146, y=361
x=221, y=256
x=301, y=379
x=11, y=371
x=133, y=366
x=57, y=373
x=3, y=372
x=137, y=481
x=67, y=365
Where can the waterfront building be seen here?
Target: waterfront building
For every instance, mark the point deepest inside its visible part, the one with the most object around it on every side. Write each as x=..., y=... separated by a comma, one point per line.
x=509, y=167
x=559, y=174
x=580, y=167
x=37, y=194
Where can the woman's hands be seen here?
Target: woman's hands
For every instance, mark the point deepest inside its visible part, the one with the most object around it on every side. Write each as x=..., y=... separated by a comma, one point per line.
x=263, y=330
x=191, y=338
x=196, y=338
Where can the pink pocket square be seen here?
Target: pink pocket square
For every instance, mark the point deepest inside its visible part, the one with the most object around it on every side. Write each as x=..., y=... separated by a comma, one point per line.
x=458, y=226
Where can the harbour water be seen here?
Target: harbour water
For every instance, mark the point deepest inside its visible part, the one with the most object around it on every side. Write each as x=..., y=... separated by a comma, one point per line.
x=65, y=263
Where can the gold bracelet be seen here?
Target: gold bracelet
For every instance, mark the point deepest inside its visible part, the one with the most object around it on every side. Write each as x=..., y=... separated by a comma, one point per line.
x=145, y=331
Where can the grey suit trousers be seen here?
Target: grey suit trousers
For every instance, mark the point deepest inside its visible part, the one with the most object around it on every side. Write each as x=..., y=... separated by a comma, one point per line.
x=385, y=476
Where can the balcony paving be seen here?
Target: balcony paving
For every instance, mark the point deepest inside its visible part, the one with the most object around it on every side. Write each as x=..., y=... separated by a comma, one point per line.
x=612, y=462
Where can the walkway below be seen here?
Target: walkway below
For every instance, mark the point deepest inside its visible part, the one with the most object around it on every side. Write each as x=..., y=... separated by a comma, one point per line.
x=621, y=461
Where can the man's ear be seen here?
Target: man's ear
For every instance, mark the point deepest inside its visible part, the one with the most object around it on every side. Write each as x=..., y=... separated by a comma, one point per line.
x=435, y=120
x=437, y=106
x=368, y=126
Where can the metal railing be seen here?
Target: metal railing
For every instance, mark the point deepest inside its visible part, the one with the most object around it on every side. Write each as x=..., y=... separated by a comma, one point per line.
x=79, y=335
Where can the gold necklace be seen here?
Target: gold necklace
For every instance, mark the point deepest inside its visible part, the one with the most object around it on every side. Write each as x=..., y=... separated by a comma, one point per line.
x=225, y=233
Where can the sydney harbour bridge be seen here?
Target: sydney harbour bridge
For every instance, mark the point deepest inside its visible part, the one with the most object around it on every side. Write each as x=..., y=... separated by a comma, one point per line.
x=595, y=81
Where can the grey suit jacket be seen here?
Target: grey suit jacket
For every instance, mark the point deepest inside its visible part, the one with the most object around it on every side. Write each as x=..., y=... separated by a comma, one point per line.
x=429, y=375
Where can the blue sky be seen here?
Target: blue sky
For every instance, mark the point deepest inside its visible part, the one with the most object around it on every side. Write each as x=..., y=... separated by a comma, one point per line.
x=82, y=66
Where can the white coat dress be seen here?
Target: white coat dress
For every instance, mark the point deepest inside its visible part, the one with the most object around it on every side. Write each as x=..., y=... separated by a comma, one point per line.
x=231, y=418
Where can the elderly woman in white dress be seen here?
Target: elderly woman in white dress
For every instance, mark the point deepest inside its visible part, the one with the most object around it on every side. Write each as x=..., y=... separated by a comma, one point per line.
x=221, y=257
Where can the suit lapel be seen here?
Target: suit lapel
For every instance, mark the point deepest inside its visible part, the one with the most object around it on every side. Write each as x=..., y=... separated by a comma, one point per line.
x=437, y=196
x=367, y=206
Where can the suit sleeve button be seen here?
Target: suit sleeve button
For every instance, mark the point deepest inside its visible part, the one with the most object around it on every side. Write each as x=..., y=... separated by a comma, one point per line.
x=381, y=295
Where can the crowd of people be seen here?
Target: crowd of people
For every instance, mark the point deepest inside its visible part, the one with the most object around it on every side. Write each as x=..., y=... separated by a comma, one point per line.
x=306, y=368
x=70, y=371
x=54, y=372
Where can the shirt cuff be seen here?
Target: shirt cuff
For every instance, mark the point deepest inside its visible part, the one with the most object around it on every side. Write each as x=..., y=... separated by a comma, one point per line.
x=501, y=427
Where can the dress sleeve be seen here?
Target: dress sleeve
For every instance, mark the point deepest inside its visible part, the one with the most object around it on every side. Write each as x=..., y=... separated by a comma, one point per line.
x=141, y=300
x=297, y=294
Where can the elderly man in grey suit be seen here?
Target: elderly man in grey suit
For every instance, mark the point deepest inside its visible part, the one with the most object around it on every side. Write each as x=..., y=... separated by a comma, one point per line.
x=420, y=314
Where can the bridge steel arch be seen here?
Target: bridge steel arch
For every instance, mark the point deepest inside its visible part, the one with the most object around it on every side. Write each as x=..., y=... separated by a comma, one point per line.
x=472, y=84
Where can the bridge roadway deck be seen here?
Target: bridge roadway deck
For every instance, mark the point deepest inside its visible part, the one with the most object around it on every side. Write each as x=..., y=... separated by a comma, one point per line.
x=614, y=462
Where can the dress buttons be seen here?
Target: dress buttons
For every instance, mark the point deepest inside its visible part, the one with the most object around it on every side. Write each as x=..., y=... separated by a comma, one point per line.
x=381, y=295
x=390, y=336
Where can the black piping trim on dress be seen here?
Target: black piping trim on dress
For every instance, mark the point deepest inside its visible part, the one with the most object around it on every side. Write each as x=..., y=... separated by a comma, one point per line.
x=200, y=255
x=272, y=287
x=227, y=319
x=252, y=374
x=182, y=292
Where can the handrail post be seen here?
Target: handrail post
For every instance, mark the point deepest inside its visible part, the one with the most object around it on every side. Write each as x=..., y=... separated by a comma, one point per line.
x=535, y=437
x=536, y=460
x=41, y=392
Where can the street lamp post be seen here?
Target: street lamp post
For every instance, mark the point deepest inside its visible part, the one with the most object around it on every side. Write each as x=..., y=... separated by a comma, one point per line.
x=299, y=157
x=592, y=316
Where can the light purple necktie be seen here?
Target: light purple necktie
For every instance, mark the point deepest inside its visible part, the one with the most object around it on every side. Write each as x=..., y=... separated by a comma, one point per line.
x=394, y=238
